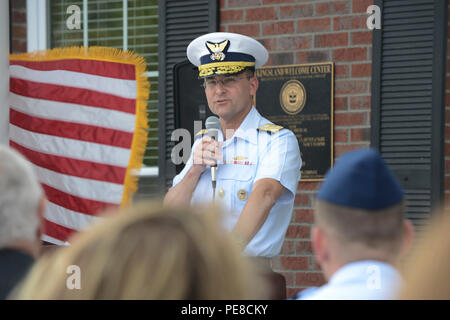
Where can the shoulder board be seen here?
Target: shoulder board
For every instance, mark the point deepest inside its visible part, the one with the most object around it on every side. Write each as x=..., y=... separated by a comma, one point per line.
x=200, y=133
x=269, y=127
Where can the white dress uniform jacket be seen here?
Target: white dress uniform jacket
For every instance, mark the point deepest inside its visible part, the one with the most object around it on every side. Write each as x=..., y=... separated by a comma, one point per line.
x=257, y=150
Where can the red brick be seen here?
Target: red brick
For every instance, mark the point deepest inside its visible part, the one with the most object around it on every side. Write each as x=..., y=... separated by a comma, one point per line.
x=447, y=165
x=361, y=5
x=251, y=30
x=360, y=102
x=294, y=263
x=260, y=14
x=341, y=103
x=269, y=44
x=351, y=86
x=19, y=17
x=331, y=40
x=361, y=37
x=298, y=232
x=283, y=58
x=19, y=31
x=447, y=99
x=302, y=199
x=314, y=25
x=340, y=135
x=350, y=54
x=278, y=28
x=243, y=3
x=19, y=46
x=361, y=70
x=350, y=119
x=222, y=4
x=290, y=292
x=304, y=215
x=360, y=134
x=305, y=279
x=288, y=247
x=304, y=247
x=316, y=266
x=447, y=133
x=296, y=12
x=447, y=114
x=447, y=183
x=341, y=71
x=333, y=7
x=341, y=149
x=294, y=43
x=231, y=16
x=447, y=148
x=308, y=185
x=276, y=1
x=313, y=56
x=349, y=23
x=19, y=4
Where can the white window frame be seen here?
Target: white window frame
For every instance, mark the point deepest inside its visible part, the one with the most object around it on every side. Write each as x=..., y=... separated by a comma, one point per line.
x=36, y=25
x=37, y=39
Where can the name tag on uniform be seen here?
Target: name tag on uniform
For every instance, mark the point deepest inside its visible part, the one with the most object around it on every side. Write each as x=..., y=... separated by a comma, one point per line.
x=239, y=160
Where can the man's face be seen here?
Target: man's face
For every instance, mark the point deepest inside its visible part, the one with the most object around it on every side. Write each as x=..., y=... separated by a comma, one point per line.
x=230, y=96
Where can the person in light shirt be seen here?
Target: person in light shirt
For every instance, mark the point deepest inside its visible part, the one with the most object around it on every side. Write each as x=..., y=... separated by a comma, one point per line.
x=258, y=162
x=360, y=233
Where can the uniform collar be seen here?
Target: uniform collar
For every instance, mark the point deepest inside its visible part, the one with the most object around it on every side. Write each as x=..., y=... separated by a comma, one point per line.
x=247, y=130
x=362, y=269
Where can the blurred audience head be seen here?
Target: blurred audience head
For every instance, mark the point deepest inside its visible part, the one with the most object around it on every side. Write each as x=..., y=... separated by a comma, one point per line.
x=147, y=252
x=426, y=270
x=22, y=202
x=360, y=214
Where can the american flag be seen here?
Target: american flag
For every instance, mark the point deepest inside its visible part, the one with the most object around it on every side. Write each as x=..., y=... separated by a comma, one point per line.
x=79, y=116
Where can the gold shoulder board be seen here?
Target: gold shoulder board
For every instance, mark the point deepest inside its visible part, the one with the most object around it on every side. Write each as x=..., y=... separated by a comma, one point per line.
x=269, y=127
x=201, y=133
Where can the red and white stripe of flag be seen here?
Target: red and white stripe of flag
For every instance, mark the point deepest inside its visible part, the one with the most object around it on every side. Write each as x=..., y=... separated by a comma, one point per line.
x=74, y=120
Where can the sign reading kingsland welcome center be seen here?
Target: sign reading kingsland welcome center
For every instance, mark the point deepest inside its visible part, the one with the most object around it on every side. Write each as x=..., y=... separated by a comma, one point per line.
x=300, y=98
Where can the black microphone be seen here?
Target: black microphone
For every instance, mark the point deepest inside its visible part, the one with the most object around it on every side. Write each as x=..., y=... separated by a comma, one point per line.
x=212, y=124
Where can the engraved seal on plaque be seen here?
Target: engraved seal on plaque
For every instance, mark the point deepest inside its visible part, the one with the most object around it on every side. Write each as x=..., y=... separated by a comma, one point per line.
x=292, y=97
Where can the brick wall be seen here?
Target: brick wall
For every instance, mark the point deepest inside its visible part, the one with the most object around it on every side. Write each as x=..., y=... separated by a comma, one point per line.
x=306, y=31
x=18, y=26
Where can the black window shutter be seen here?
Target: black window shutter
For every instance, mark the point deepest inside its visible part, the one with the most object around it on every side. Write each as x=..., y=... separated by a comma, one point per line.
x=180, y=22
x=408, y=105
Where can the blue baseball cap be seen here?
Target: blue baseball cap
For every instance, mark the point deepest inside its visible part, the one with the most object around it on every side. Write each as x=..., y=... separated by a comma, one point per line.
x=361, y=179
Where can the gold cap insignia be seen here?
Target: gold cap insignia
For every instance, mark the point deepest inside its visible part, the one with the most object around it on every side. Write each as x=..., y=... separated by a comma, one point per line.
x=242, y=194
x=217, y=49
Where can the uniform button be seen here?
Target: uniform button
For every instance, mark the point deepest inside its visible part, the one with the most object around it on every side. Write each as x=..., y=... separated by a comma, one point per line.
x=242, y=194
x=221, y=193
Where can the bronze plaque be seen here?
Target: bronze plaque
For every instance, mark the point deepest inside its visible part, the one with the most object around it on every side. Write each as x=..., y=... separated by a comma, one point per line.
x=300, y=98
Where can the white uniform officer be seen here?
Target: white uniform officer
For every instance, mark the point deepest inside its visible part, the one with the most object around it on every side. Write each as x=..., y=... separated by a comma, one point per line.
x=258, y=162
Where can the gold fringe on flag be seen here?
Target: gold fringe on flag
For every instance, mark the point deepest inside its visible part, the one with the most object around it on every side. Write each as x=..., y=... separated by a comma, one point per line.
x=143, y=89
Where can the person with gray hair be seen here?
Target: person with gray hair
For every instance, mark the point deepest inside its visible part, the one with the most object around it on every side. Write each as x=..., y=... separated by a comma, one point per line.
x=22, y=206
